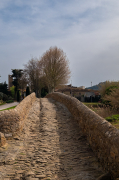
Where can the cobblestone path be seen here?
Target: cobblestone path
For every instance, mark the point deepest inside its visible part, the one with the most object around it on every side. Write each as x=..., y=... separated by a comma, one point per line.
x=51, y=147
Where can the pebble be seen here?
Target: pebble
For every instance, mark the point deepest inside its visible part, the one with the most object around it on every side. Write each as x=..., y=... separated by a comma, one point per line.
x=51, y=146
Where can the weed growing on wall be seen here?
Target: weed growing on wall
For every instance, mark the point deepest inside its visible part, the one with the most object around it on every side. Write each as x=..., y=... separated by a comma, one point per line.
x=113, y=118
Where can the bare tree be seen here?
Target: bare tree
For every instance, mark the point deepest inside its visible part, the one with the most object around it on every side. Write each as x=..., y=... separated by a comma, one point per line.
x=23, y=82
x=32, y=73
x=55, y=67
x=113, y=98
x=104, y=86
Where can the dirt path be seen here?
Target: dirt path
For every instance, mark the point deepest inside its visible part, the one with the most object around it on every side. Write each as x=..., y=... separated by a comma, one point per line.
x=51, y=147
x=7, y=105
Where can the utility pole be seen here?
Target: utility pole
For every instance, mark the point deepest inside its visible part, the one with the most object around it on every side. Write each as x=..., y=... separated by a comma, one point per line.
x=71, y=87
x=91, y=95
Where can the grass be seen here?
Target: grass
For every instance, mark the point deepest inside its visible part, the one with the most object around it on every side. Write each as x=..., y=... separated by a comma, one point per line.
x=2, y=103
x=107, y=112
x=8, y=108
x=115, y=124
x=93, y=104
x=113, y=118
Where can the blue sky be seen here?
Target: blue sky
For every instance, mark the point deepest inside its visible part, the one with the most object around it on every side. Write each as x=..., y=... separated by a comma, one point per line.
x=87, y=31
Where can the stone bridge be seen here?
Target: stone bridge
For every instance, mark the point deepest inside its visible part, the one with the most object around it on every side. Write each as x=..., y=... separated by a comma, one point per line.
x=57, y=138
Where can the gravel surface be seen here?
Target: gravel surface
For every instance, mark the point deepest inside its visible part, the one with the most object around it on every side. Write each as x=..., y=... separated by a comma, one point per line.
x=50, y=147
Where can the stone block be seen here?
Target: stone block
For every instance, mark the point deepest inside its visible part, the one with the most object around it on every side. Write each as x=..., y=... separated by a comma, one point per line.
x=2, y=139
x=10, y=120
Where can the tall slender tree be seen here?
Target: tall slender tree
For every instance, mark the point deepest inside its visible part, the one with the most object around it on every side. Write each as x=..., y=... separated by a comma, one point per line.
x=16, y=74
x=4, y=88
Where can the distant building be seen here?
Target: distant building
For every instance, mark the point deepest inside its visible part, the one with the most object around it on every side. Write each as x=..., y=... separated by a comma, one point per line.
x=84, y=95
x=10, y=79
x=82, y=87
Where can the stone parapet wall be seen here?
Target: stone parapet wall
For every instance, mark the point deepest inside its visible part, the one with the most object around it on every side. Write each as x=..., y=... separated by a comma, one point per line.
x=11, y=121
x=102, y=136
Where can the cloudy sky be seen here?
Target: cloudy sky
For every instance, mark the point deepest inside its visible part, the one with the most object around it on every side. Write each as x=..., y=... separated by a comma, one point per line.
x=87, y=31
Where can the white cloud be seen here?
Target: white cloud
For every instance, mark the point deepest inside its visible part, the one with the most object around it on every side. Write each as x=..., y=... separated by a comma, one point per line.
x=86, y=31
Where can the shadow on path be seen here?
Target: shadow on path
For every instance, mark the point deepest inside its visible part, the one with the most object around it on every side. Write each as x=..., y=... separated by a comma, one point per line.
x=76, y=159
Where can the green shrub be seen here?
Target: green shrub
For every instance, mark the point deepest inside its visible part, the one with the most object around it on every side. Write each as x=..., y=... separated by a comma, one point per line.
x=113, y=98
x=9, y=101
x=107, y=86
x=5, y=97
x=113, y=118
x=10, y=98
x=1, y=96
x=109, y=89
x=12, y=89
